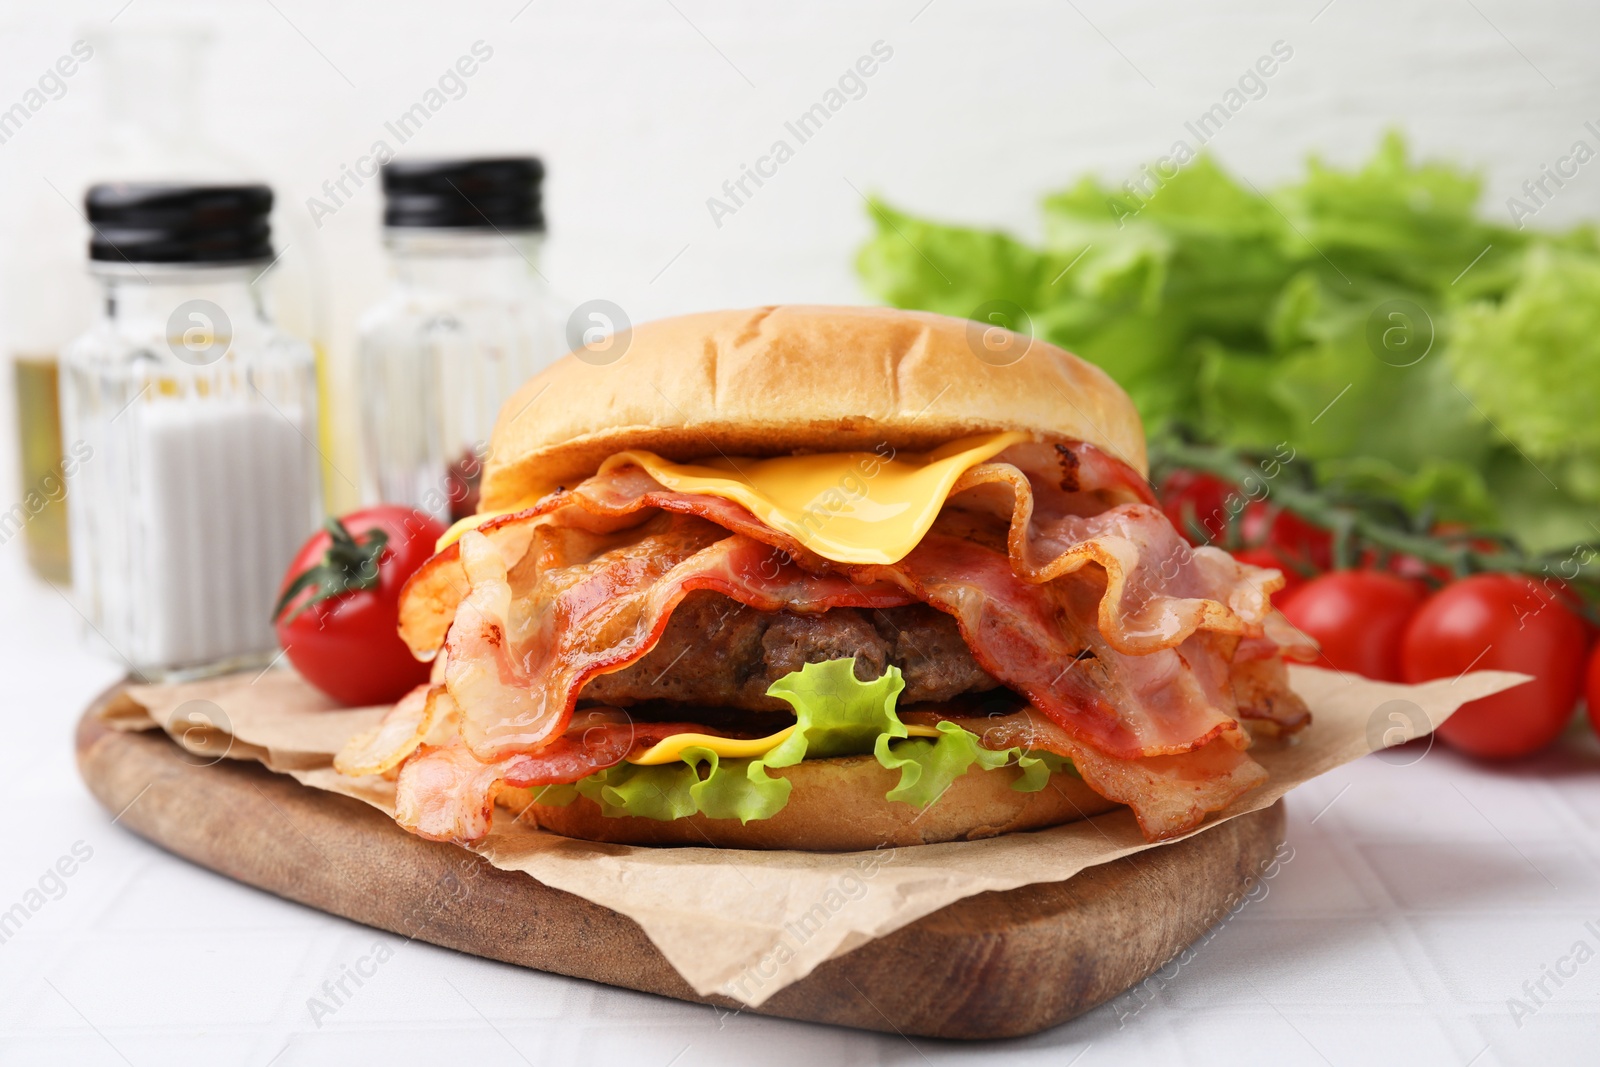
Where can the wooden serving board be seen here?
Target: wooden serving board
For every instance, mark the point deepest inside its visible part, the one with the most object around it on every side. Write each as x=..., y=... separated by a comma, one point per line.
x=990, y=966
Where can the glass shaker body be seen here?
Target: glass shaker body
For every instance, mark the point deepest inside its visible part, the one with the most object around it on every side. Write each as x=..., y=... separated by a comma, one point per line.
x=466, y=322
x=188, y=422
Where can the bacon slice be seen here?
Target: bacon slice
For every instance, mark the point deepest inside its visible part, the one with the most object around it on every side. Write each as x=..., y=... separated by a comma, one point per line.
x=1042, y=641
x=516, y=680
x=1261, y=689
x=516, y=664
x=445, y=793
x=1158, y=591
x=1169, y=795
x=1079, y=479
x=595, y=739
x=381, y=749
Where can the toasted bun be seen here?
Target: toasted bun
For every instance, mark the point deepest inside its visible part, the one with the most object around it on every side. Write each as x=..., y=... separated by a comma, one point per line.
x=776, y=380
x=838, y=805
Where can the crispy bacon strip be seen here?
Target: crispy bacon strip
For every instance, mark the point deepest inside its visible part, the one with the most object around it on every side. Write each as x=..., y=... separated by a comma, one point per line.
x=595, y=739
x=1169, y=795
x=381, y=749
x=425, y=716
x=1261, y=689
x=516, y=665
x=1080, y=479
x=1042, y=641
x=445, y=793
x=1159, y=590
x=517, y=680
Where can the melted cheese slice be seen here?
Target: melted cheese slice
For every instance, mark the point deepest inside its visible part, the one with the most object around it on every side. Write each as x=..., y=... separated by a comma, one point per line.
x=471, y=522
x=672, y=748
x=850, y=507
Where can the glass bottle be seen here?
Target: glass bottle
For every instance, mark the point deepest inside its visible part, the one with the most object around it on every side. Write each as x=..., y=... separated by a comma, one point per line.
x=188, y=419
x=468, y=319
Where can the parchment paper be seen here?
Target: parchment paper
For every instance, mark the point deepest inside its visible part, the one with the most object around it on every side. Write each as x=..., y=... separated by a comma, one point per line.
x=747, y=923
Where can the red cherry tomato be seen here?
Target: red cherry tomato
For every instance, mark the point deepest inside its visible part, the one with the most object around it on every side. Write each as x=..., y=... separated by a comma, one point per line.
x=1265, y=557
x=1591, y=689
x=1358, y=617
x=1294, y=539
x=1500, y=622
x=1407, y=566
x=1572, y=600
x=339, y=611
x=1190, y=498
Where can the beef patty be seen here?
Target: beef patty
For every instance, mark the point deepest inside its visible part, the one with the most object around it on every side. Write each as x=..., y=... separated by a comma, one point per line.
x=715, y=652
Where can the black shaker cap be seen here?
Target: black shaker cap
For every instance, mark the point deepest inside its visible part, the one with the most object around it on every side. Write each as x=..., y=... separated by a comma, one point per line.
x=136, y=222
x=501, y=193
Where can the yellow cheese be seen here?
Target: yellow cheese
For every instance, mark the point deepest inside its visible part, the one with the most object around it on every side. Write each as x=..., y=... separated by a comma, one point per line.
x=461, y=526
x=850, y=507
x=671, y=749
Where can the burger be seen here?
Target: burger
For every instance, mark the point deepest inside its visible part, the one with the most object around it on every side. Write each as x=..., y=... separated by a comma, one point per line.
x=826, y=579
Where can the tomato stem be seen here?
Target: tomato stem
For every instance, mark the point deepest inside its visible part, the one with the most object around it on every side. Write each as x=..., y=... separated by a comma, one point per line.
x=1363, y=521
x=349, y=564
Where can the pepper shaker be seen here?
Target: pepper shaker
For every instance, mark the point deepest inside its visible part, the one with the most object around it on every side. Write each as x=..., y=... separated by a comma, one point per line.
x=468, y=319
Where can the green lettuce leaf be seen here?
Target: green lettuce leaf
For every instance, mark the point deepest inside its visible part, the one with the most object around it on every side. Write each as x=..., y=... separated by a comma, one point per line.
x=1532, y=363
x=929, y=765
x=1412, y=224
x=836, y=714
x=950, y=269
x=725, y=789
x=1201, y=247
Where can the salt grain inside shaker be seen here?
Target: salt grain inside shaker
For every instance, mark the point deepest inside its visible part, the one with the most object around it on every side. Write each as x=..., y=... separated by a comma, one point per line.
x=192, y=418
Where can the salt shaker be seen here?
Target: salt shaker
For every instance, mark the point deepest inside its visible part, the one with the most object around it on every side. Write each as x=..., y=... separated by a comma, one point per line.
x=188, y=420
x=467, y=320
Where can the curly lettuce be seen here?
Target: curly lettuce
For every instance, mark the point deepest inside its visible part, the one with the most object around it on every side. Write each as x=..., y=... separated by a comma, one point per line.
x=1248, y=316
x=836, y=714
x=928, y=766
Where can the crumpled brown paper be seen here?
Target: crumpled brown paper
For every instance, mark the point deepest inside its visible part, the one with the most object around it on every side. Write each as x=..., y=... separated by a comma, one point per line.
x=747, y=923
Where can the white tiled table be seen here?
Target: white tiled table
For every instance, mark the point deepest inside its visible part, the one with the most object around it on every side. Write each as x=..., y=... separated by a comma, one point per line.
x=1419, y=899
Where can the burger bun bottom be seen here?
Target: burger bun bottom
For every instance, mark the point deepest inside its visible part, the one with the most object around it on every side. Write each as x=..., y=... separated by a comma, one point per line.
x=838, y=805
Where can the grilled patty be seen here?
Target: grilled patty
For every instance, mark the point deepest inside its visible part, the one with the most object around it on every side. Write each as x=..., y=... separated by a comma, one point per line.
x=715, y=652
